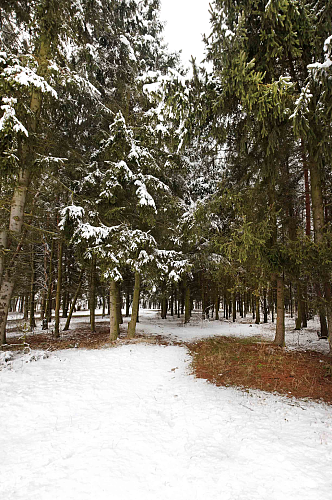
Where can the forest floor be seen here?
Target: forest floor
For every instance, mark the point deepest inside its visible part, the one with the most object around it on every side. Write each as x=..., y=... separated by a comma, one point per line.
x=140, y=419
x=241, y=359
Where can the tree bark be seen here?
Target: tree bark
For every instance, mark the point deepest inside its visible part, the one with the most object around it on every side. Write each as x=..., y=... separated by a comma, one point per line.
x=92, y=298
x=234, y=306
x=3, y=246
x=127, y=302
x=134, y=312
x=5, y=296
x=119, y=303
x=317, y=202
x=216, y=306
x=114, y=320
x=58, y=292
x=318, y=220
x=72, y=308
x=15, y=226
x=298, y=321
x=32, y=292
x=187, y=304
x=48, y=307
x=257, y=305
x=280, y=328
x=265, y=305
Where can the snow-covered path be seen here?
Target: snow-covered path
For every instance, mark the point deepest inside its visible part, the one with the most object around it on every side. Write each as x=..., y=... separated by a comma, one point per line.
x=132, y=423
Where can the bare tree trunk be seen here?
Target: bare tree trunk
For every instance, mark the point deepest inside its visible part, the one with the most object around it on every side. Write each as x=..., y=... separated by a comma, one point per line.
x=32, y=292
x=48, y=307
x=280, y=329
x=172, y=302
x=318, y=220
x=5, y=296
x=134, y=312
x=114, y=319
x=234, y=307
x=3, y=246
x=65, y=294
x=257, y=306
x=72, y=308
x=187, y=304
x=15, y=226
x=329, y=312
x=265, y=304
x=58, y=292
x=26, y=306
x=216, y=306
x=127, y=302
x=92, y=301
x=119, y=303
x=298, y=321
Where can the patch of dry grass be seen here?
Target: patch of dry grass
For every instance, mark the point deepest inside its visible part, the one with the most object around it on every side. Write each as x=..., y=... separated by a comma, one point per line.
x=252, y=364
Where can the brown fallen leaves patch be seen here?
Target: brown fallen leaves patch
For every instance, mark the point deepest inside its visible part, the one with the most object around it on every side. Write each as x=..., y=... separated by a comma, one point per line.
x=252, y=364
x=81, y=338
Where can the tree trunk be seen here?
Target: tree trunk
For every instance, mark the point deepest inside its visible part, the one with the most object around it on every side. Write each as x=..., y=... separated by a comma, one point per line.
x=187, y=304
x=291, y=299
x=114, y=320
x=103, y=306
x=298, y=321
x=234, y=307
x=5, y=296
x=318, y=220
x=3, y=246
x=119, y=303
x=257, y=305
x=172, y=302
x=216, y=306
x=127, y=303
x=163, y=306
x=305, y=308
x=329, y=312
x=92, y=298
x=32, y=292
x=280, y=329
x=26, y=306
x=307, y=191
x=134, y=312
x=48, y=307
x=265, y=305
x=58, y=292
x=65, y=294
x=74, y=301
x=15, y=226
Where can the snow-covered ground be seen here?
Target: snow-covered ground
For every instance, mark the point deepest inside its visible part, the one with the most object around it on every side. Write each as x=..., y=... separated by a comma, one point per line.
x=174, y=328
x=132, y=423
x=151, y=323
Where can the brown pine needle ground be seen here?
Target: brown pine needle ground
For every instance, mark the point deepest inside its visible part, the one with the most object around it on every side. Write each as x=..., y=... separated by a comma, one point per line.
x=252, y=364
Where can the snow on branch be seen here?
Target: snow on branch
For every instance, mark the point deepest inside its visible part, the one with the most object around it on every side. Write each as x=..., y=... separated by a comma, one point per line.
x=144, y=197
x=318, y=67
x=99, y=234
x=9, y=119
x=26, y=77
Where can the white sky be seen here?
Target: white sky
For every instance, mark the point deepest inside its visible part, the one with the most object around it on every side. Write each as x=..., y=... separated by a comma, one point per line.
x=186, y=21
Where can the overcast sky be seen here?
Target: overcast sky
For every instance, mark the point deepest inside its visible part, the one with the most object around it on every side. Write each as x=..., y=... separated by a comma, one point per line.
x=186, y=21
